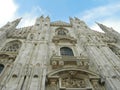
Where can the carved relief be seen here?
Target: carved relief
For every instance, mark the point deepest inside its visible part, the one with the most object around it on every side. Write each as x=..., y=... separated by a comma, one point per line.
x=71, y=79
x=74, y=80
x=72, y=83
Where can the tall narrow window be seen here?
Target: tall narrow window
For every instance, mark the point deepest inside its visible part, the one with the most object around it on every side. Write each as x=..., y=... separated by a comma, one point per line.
x=23, y=83
x=1, y=67
x=65, y=51
x=61, y=32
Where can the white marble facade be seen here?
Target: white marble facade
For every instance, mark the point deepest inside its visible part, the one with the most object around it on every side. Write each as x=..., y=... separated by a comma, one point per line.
x=59, y=56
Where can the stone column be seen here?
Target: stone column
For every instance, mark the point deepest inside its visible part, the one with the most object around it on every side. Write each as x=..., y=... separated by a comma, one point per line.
x=45, y=59
x=17, y=73
x=104, y=65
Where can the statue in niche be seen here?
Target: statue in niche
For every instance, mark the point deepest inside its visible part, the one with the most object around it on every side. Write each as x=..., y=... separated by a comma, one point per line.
x=31, y=37
x=52, y=85
x=96, y=86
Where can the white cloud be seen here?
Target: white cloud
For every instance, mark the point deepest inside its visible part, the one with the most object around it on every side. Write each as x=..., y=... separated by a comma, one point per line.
x=8, y=10
x=100, y=12
x=108, y=15
x=29, y=17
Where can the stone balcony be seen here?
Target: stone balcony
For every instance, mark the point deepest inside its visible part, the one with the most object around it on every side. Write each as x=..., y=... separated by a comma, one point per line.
x=64, y=38
x=69, y=61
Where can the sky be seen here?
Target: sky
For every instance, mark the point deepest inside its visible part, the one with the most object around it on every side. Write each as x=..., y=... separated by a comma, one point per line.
x=106, y=12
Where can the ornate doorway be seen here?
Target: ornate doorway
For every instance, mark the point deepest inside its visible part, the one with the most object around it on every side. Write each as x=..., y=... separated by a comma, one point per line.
x=73, y=79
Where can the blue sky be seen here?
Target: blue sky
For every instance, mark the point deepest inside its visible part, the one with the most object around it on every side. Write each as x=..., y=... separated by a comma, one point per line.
x=103, y=11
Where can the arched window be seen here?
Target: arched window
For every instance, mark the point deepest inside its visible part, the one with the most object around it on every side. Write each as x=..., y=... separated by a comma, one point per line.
x=1, y=67
x=61, y=32
x=12, y=46
x=65, y=51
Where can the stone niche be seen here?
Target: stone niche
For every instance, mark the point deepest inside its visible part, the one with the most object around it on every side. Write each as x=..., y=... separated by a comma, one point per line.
x=73, y=79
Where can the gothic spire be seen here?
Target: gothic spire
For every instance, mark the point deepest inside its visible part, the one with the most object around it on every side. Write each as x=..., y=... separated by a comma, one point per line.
x=109, y=31
x=103, y=27
x=10, y=25
x=16, y=22
x=106, y=29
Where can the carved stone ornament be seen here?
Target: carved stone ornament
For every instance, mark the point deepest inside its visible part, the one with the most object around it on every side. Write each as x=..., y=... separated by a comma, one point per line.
x=73, y=79
x=57, y=39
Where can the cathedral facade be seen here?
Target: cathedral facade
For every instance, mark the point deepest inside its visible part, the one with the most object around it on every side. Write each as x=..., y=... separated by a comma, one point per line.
x=59, y=56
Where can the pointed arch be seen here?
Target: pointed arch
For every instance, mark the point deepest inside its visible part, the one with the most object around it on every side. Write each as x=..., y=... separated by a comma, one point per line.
x=71, y=69
x=74, y=79
x=12, y=46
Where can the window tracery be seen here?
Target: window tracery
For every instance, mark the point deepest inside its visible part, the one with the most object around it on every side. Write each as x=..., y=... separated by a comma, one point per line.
x=12, y=46
x=61, y=31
